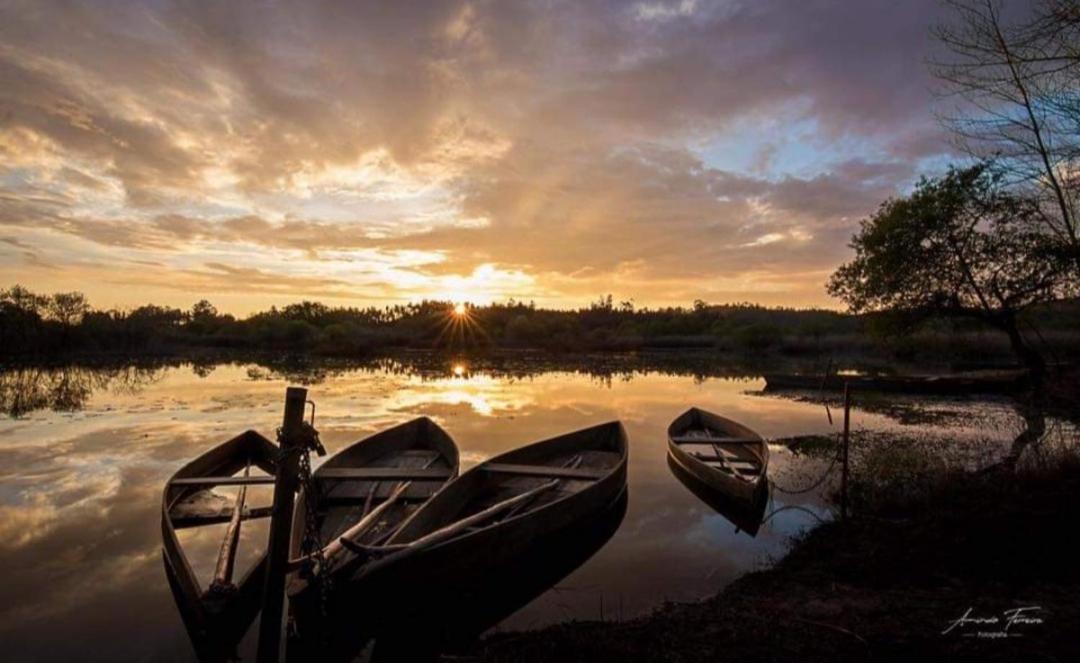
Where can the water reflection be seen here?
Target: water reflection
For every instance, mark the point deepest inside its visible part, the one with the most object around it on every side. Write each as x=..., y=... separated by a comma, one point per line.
x=66, y=388
x=80, y=486
x=746, y=515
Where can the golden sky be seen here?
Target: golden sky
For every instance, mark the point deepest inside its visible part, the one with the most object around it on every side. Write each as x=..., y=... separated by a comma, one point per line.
x=369, y=153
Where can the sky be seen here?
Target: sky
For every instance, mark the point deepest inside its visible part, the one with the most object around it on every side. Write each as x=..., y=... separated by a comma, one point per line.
x=260, y=153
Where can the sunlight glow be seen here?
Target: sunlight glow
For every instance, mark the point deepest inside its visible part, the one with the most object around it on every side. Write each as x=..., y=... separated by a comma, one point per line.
x=459, y=309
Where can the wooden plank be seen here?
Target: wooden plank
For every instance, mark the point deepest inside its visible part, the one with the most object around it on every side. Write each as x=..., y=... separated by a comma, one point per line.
x=689, y=439
x=332, y=501
x=587, y=473
x=727, y=460
x=385, y=473
x=419, y=453
x=223, y=481
x=739, y=471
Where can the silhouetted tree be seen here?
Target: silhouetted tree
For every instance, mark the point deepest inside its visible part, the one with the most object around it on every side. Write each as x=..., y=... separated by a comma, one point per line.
x=1018, y=84
x=959, y=245
x=68, y=308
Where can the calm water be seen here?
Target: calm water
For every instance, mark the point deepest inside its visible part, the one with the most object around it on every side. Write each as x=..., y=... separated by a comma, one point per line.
x=84, y=454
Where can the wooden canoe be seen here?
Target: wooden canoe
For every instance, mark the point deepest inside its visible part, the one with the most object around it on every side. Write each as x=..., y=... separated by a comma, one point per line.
x=368, y=489
x=745, y=515
x=977, y=382
x=487, y=518
x=463, y=608
x=722, y=453
x=218, y=612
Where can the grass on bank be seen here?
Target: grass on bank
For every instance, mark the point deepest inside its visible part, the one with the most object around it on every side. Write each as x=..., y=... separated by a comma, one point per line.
x=882, y=586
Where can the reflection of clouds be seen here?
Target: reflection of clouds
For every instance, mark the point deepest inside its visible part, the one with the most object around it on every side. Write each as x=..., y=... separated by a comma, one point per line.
x=80, y=492
x=21, y=524
x=103, y=544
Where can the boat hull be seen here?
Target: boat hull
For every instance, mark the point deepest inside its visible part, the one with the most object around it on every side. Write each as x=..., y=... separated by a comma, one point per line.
x=735, y=487
x=215, y=622
x=995, y=382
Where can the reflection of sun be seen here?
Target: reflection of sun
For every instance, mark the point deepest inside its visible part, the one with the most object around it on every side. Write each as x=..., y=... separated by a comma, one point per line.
x=460, y=310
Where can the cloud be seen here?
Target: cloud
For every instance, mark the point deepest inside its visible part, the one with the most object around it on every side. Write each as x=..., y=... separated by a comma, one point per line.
x=558, y=142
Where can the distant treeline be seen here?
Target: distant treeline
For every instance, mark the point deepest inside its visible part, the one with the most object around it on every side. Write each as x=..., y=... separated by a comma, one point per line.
x=48, y=325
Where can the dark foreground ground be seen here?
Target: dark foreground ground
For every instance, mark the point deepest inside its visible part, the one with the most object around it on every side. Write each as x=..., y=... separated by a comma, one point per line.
x=885, y=586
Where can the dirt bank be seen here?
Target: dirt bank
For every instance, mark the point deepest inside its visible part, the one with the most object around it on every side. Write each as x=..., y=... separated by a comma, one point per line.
x=877, y=589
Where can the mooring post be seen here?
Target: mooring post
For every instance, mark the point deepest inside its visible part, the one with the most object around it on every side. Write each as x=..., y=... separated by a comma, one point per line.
x=277, y=550
x=847, y=442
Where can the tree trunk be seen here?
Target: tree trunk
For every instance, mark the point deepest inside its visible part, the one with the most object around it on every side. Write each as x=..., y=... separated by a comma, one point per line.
x=1031, y=358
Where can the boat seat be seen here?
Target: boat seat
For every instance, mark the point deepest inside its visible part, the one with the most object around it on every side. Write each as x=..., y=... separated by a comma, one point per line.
x=727, y=460
x=587, y=473
x=690, y=439
x=222, y=481
x=384, y=473
x=741, y=471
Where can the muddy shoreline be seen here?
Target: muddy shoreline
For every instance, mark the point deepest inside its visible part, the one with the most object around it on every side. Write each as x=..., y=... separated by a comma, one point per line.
x=876, y=588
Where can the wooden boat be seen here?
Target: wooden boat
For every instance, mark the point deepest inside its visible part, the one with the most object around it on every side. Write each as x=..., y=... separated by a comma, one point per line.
x=366, y=490
x=975, y=382
x=746, y=515
x=216, y=615
x=487, y=518
x=722, y=453
x=460, y=610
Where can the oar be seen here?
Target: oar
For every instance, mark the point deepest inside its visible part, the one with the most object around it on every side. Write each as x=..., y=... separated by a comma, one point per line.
x=451, y=530
x=333, y=549
x=386, y=536
x=227, y=555
x=570, y=464
x=734, y=471
x=336, y=546
x=370, y=496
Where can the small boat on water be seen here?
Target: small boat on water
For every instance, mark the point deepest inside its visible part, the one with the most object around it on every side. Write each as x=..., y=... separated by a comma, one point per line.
x=975, y=382
x=464, y=608
x=368, y=489
x=487, y=518
x=217, y=614
x=721, y=453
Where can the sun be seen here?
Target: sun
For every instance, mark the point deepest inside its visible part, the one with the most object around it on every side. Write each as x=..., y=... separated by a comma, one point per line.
x=459, y=326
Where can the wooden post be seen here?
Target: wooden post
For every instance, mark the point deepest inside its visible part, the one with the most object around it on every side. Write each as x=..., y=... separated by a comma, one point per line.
x=844, y=466
x=277, y=548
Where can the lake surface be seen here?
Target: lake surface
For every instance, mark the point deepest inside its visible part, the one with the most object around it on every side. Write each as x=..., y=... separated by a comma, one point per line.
x=84, y=453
